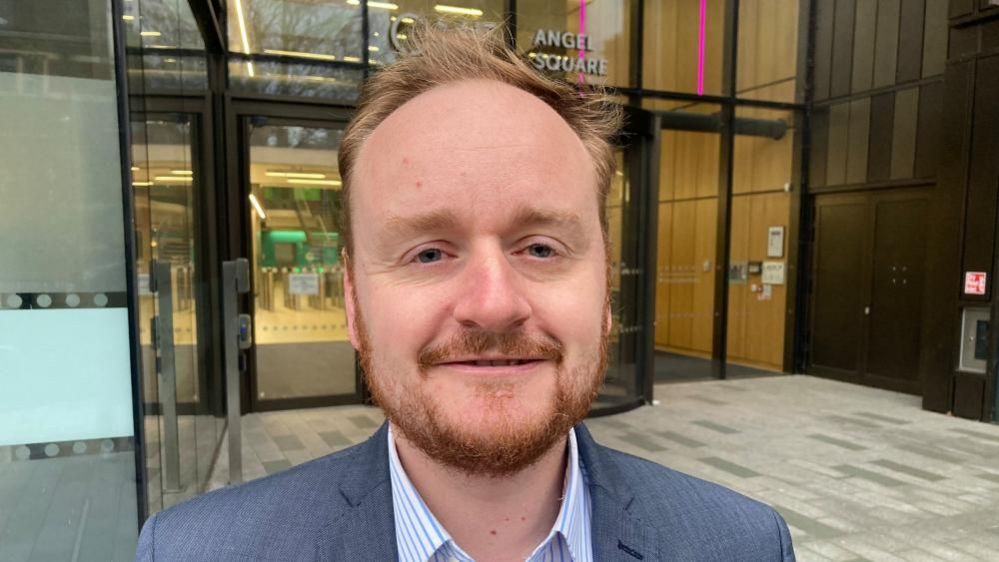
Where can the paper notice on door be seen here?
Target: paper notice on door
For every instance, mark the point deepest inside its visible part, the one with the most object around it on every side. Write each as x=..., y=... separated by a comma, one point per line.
x=303, y=283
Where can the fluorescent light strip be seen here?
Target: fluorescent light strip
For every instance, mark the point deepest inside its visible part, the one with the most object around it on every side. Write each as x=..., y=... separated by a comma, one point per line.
x=142, y=183
x=351, y=59
x=173, y=178
x=242, y=29
x=316, y=182
x=128, y=18
x=182, y=172
x=249, y=69
x=306, y=175
x=445, y=9
x=382, y=5
x=150, y=33
x=257, y=207
x=299, y=54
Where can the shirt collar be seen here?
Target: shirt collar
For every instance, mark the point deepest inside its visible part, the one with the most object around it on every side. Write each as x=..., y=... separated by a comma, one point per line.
x=419, y=536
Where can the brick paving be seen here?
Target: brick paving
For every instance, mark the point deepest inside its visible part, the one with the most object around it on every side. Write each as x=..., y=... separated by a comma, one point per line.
x=858, y=473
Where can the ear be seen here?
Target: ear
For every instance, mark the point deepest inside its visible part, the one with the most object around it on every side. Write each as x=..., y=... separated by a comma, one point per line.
x=348, y=300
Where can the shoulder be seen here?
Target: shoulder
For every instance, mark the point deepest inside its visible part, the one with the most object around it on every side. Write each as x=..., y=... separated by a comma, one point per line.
x=691, y=515
x=276, y=517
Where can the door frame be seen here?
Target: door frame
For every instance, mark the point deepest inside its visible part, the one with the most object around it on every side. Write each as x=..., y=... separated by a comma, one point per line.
x=239, y=229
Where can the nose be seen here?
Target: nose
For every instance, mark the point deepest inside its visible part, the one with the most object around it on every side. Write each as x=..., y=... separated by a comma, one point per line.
x=491, y=296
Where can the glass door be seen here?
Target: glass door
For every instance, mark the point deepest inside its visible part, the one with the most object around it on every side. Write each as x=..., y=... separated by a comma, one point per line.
x=302, y=355
x=628, y=205
x=182, y=432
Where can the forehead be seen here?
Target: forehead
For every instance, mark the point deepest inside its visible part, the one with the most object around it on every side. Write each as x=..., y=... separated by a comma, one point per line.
x=472, y=144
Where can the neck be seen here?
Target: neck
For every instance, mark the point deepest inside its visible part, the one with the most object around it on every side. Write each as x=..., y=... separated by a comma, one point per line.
x=491, y=519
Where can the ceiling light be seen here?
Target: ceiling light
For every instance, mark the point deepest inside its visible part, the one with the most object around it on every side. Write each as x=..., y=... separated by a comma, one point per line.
x=257, y=207
x=373, y=48
x=173, y=178
x=299, y=54
x=249, y=69
x=182, y=172
x=128, y=18
x=351, y=59
x=316, y=182
x=150, y=33
x=142, y=183
x=445, y=9
x=295, y=175
x=135, y=168
x=408, y=20
x=382, y=5
x=401, y=36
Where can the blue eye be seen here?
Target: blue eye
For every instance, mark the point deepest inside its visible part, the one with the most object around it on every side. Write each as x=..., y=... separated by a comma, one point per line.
x=429, y=255
x=540, y=251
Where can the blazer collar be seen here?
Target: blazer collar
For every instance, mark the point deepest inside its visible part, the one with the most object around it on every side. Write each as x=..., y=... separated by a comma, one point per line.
x=618, y=532
x=360, y=531
x=366, y=530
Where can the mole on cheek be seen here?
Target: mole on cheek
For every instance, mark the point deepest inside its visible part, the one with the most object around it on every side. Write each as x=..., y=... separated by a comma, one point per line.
x=492, y=532
x=419, y=184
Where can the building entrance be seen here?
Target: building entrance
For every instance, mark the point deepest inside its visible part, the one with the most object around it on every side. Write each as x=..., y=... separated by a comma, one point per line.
x=290, y=200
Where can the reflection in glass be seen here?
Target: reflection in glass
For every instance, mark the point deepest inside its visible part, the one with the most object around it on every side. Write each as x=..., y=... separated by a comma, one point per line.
x=165, y=48
x=300, y=326
x=389, y=23
x=286, y=27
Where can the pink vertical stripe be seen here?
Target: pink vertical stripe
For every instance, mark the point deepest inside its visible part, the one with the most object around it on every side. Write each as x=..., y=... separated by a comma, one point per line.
x=582, y=31
x=701, y=39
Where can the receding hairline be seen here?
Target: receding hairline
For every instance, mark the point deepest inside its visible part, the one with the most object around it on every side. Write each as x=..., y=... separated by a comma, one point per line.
x=471, y=100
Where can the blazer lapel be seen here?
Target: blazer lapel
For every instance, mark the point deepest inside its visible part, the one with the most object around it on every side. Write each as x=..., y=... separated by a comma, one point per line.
x=616, y=532
x=366, y=529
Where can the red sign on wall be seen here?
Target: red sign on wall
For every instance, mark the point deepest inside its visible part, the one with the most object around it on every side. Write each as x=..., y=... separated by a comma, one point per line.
x=974, y=282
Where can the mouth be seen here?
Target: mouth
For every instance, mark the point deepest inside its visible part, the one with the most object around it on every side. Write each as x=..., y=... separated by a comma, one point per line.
x=493, y=365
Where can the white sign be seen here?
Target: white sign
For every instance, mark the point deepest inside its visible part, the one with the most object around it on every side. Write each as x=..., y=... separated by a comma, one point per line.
x=974, y=282
x=144, y=285
x=773, y=272
x=775, y=242
x=303, y=283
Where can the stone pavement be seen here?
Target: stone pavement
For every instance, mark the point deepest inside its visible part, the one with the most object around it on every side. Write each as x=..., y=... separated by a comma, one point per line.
x=858, y=473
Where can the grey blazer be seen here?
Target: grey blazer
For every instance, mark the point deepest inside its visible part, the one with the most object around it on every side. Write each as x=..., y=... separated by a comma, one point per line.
x=339, y=507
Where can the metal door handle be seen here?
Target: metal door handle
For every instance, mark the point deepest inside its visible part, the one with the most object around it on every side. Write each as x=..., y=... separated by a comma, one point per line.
x=235, y=281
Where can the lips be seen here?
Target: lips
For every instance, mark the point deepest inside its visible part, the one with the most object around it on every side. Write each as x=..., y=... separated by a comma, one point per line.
x=492, y=362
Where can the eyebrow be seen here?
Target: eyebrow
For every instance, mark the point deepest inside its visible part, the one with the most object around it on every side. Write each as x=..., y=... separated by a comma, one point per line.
x=436, y=221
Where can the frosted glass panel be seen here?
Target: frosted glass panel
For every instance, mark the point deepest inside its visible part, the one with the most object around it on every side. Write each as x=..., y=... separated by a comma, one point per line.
x=61, y=185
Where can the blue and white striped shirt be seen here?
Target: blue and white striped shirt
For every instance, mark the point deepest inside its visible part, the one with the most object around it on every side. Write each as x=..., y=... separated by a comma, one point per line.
x=421, y=538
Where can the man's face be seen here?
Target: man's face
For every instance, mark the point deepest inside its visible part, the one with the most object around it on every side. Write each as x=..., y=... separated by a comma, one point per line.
x=478, y=276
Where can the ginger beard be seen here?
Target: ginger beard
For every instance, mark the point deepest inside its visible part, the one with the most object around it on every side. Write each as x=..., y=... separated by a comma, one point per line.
x=510, y=445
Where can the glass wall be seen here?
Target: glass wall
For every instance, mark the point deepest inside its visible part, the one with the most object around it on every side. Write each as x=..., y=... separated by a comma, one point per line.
x=67, y=443
x=585, y=42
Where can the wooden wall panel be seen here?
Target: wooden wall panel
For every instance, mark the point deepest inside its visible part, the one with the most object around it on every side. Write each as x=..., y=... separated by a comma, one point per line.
x=903, y=138
x=708, y=153
x=935, y=38
x=882, y=118
x=823, y=47
x=667, y=166
x=756, y=327
x=704, y=287
x=820, y=147
x=671, y=33
x=910, y=41
x=928, y=130
x=839, y=127
x=663, y=268
x=842, y=57
x=983, y=170
x=682, y=275
x=886, y=43
x=863, y=46
x=860, y=126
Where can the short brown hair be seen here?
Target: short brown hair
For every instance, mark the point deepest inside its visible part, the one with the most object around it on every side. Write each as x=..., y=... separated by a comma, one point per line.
x=443, y=54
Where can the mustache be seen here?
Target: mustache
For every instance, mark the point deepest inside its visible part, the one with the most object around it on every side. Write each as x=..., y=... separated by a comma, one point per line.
x=477, y=342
